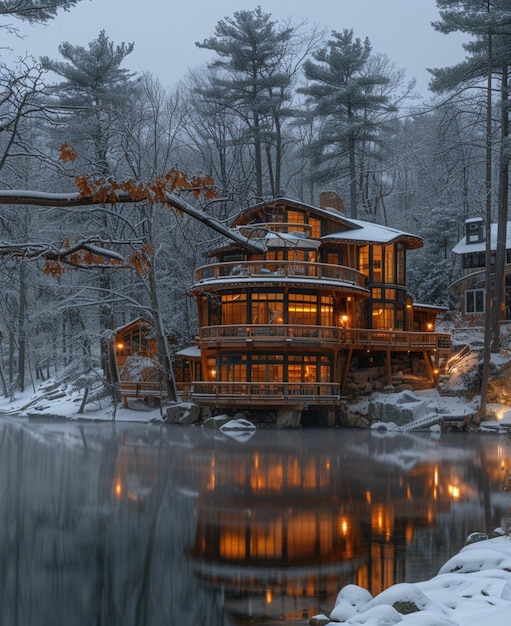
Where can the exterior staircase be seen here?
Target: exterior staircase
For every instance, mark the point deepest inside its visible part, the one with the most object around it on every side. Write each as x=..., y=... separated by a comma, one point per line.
x=422, y=422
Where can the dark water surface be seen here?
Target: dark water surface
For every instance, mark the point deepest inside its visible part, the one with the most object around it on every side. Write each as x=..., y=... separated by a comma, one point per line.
x=149, y=525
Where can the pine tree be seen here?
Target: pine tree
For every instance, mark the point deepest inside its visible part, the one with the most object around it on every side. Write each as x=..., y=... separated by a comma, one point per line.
x=251, y=80
x=346, y=101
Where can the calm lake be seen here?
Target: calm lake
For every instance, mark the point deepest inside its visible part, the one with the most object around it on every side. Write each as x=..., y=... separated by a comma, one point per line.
x=149, y=525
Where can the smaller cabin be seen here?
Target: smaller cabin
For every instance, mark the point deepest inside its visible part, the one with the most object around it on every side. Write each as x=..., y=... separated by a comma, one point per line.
x=138, y=366
x=470, y=288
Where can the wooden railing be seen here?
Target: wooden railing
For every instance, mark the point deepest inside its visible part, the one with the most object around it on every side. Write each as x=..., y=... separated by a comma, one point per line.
x=346, y=336
x=272, y=392
x=396, y=339
x=274, y=270
x=141, y=390
x=270, y=332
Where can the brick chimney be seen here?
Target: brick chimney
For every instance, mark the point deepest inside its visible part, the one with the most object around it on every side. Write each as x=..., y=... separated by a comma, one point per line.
x=331, y=200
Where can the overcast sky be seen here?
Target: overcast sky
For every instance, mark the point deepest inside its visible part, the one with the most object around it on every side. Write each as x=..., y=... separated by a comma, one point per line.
x=164, y=32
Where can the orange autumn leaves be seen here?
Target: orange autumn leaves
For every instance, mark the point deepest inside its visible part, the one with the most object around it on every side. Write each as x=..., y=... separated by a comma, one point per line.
x=99, y=190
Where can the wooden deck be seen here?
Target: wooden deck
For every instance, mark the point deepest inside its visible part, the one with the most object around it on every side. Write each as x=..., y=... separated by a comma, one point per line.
x=355, y=338
x=263, y=395
x=434, y=348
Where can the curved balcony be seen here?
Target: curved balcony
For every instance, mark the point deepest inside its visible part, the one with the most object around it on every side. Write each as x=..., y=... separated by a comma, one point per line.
x=269, y=333
x=328, y=336
x=279, y=270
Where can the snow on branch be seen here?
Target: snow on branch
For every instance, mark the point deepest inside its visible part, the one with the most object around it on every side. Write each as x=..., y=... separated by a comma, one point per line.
x=123, y=194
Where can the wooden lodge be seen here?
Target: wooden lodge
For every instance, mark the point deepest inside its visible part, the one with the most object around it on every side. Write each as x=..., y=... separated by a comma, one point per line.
x=288, y=328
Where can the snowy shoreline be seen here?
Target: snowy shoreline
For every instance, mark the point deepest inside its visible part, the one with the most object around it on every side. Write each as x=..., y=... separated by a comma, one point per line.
x=473, y=588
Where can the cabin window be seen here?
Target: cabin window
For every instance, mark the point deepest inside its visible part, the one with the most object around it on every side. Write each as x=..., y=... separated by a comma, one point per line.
x=363, y=260
x=474, y=259
x=295, y=217
x=400, y=264
x=302, y=309
x=383, y=315
x=327, y=311
x=309, y=369
x=267, y=308
x=325, y=370
x=377, y=264
x=474, y=301
x=234, y=309
x=315, y=225
x=232, y=368
x=266, y=368
x=333, y=258
x=302, y=369
x=390, y=274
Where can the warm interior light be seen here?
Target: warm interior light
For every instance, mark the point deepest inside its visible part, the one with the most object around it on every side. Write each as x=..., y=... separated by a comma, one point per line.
x=454, y=492
x=429, y=326
x=302, y=309
x=120, y=346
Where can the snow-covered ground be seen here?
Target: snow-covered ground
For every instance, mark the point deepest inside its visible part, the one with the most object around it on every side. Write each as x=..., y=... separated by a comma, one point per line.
x=49, y=399
x=472, y=589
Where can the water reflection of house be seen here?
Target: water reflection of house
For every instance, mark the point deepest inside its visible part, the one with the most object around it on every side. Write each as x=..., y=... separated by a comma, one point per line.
x=281, y=532
x=282, y=523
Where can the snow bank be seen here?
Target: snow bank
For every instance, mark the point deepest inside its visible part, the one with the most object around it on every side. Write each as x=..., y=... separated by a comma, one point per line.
x=472, y=588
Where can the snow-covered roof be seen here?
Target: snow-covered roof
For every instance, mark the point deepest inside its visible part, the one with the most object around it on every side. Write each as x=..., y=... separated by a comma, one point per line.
x=429, y=307
x=371, y=233
x=190, y=352
x=462, y=247
x=349, y=229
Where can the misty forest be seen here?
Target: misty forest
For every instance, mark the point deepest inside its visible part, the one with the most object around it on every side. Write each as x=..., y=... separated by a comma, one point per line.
x=97, y=163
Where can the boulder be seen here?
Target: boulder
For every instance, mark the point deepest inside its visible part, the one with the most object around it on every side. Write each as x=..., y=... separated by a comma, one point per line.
x=184, y=413
x=401, y=408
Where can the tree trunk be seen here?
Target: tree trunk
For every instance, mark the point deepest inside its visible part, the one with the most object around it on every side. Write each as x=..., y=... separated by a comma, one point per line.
x=485, y=374
x=500, y=254
x=22, y=331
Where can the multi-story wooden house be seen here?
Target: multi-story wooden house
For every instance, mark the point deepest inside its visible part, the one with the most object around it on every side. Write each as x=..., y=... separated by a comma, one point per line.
x=471, y=287
x=284, y=328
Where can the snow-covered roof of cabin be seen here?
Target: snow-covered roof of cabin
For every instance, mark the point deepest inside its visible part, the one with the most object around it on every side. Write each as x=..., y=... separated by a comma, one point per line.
x=190, y=352
x=369, y=232
x=462, y=247
x=376, y=232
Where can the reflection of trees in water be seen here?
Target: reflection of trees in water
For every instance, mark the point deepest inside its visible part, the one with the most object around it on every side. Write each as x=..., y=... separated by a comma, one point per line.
x=72, y=551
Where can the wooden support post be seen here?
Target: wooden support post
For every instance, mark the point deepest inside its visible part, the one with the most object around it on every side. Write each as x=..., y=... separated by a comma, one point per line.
x=345, y=370
x=429, y=365
x=389, y=366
